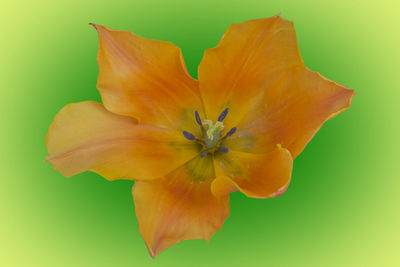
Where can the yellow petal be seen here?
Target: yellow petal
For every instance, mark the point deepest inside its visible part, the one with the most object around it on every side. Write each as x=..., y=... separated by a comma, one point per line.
x=178, y=207
x=249, y=57
x=146, y=79
x=85, y=136
x=290, y=113
x=255, y=175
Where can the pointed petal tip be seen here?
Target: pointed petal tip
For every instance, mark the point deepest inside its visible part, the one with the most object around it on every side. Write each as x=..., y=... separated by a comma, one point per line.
x=93, y=24
x=352, y=93
x=279, y=14
x=151, y=252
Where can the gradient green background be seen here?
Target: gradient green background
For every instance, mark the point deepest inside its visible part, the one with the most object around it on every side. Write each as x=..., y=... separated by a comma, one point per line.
x=341, y=209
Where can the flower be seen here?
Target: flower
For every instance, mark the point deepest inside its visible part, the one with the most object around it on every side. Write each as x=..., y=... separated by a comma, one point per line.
x=189, y=143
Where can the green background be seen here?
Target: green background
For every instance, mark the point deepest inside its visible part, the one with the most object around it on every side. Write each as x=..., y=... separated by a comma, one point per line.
x=341, y=209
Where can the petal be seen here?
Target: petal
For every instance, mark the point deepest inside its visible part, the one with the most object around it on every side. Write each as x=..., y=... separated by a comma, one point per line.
x=255, y=175
x=249, y=57
x=85, y=136
x=292, y=110
x=178, y=207
x=222, y=186
x=146, y=79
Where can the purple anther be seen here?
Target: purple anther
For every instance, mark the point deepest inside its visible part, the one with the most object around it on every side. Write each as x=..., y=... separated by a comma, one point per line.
x=203, y=153
x=223, y=115
x=188, y=136
x=224, y=149
x=231, y=131
x=196, y=114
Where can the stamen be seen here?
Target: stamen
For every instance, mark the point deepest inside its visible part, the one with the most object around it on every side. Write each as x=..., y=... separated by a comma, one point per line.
x=203, y=153
x=223, y=115
x=231, y=131
x=224, y=149
x=188, y=135
x=196, y=114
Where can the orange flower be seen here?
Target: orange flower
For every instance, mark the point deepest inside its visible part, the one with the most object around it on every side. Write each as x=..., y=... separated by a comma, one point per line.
x=189, y=143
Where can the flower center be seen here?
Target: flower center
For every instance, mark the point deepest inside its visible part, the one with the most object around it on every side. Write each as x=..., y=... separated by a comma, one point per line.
x=211, y=134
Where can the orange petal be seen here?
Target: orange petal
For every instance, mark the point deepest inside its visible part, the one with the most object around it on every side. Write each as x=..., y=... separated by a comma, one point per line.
x=222, y=186
x=290, y=113
x=256, y=175
x=249, y=57
x=85, y=136
x=146, y=79
x=179, y=207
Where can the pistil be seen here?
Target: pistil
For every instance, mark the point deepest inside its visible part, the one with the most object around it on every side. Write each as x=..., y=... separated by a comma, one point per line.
x=213, y=132
x=211, y=139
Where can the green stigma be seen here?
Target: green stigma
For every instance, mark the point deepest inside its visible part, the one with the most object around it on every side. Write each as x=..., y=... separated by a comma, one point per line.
x=213, y=132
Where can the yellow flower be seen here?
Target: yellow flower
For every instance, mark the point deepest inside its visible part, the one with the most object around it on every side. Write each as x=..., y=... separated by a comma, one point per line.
x=189, y=143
